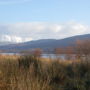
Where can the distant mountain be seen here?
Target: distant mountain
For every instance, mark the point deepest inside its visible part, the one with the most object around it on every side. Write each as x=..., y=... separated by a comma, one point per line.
x=5, y=43
x=45, y=44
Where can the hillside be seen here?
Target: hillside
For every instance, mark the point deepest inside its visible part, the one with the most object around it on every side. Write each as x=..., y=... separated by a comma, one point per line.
x=6, y=43
x=45, y=44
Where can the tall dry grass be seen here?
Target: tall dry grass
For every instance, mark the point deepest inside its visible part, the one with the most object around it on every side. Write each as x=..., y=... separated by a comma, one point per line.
x=30, y=73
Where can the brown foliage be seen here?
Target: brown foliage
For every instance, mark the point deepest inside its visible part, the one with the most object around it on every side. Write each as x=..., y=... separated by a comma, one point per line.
x=83, y=48
x=37, y=52
x=58, y=51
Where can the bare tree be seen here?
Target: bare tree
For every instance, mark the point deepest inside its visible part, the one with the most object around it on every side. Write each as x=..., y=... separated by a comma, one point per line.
x=69, y=53
x=58, y=52
x=83, y=48
x=37, y=52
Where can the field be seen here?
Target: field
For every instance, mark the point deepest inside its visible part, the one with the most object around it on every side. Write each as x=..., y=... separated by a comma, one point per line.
x=31, y=73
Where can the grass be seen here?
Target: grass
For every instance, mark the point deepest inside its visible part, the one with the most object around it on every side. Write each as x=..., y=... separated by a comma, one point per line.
x=31, y=73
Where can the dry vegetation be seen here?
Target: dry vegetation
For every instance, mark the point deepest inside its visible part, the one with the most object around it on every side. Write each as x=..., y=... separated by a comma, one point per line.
x=30, y=73
x=35, y=73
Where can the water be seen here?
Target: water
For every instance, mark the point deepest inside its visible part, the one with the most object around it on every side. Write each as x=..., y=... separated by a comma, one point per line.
x=52, y=56
x=9, y=54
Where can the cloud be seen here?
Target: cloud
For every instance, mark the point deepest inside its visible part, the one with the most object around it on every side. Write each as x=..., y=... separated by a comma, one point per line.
x=13, y=1
x=22, y=32
x=11, y=38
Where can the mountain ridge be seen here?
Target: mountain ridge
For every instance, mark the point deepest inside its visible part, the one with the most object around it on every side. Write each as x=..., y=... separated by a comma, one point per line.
x=45, y=44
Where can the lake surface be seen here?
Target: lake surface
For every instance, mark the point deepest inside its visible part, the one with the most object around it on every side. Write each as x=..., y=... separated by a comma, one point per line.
x=52, y=56
x=62, y=56
x=9, y=54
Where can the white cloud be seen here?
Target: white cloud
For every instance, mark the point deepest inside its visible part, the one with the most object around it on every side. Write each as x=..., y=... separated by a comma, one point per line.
x=11, y=38
x=27, y=39
x=56, y=28
x=5, y=38
x=21, y=32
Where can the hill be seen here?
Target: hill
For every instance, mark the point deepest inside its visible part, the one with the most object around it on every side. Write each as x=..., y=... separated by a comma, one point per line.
x=5, y=43
x=45, y=44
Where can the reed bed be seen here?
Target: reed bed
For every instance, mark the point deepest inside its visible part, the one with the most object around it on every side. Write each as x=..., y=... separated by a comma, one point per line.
x=32, y=73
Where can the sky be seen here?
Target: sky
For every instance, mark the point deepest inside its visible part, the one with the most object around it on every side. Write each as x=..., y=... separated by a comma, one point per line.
x=26, y=20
